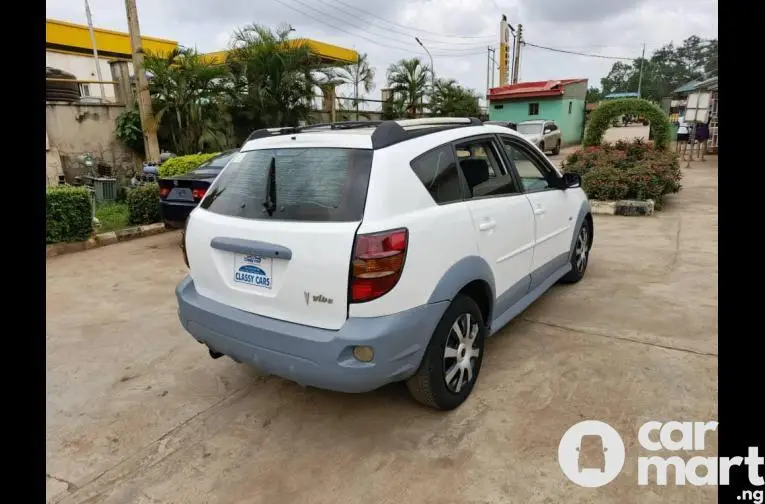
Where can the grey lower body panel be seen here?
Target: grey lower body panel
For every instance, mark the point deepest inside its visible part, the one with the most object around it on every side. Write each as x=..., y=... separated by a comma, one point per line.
x=311, y=356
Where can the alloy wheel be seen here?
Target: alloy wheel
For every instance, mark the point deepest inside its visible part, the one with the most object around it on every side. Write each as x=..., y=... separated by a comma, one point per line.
x=461, y=353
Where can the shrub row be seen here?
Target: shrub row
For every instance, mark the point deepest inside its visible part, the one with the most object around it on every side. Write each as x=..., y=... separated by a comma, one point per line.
x=183, y=164
x=68, y=214
x=143, y=205
x=626, y=170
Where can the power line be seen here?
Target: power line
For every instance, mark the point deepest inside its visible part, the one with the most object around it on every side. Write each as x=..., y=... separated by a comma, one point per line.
x=564, y=51
x=442, y=35
x=335, y=27
x=408, y=35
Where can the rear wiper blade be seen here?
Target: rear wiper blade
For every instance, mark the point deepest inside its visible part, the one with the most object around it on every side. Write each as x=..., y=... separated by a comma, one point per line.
x=270, y=203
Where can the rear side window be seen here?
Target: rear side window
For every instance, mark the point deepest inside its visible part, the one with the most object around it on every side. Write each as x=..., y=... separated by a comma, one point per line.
x=214, y=165
x=299, y=184
x=437, y=170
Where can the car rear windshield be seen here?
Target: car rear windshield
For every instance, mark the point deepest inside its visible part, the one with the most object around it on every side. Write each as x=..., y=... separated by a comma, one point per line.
x=299, y=184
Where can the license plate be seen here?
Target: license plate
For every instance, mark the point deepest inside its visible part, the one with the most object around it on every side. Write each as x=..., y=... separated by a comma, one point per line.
x=253, y=270
x=181, y=193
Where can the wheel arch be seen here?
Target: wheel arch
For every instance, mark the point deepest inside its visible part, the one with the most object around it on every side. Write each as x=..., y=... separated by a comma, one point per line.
x=471, y=276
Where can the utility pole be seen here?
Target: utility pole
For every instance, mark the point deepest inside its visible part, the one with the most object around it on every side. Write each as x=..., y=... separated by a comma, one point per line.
x=148, y=123
x=489, y=70
x=95, y=50
x=640, y=79
x=517, y=54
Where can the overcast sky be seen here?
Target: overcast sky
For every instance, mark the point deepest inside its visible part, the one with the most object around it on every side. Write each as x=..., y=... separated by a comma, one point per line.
x=456, y=32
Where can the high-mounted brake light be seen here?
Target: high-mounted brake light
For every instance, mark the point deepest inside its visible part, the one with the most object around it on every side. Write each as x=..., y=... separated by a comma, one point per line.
x=377, y=263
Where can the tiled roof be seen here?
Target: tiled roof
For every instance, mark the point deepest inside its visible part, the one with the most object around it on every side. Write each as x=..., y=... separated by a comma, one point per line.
x=535, y=89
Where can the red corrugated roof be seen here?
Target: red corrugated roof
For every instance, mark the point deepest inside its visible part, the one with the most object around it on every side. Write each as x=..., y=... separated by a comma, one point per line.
x=536, y=89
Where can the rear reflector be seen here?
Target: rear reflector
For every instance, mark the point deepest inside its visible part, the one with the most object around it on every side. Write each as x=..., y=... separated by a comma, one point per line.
x=378, y=260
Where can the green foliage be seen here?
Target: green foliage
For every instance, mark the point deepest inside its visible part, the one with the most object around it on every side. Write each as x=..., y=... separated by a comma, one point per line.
x=594, y=95
x=626, y=170
x=129, y=130
x=183, y=164
x=449, y=99
x=601, y=119
x=68, y=214
x=143, y=205
x=112, y=216
x=409, y=81
x=361, y=77
x=272, y=78
x=189, y=100
x=668, y=68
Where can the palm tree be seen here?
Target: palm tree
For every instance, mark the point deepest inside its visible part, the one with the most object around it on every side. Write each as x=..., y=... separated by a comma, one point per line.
x=408, y=79
x=188, y=100
x=274, y=78
x=449, y=99
x=358, y=74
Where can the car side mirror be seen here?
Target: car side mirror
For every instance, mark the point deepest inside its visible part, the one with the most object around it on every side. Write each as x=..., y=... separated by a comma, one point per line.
x=546, y=131
x=571, y=180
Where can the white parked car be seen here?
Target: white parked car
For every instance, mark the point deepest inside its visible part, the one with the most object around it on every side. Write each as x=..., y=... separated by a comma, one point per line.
x=352, y=256
x=544, y=134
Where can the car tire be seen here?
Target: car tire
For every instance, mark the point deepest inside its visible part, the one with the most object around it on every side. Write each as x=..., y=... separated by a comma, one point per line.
x=580, y=254
x=429, y=385
x=556, y=150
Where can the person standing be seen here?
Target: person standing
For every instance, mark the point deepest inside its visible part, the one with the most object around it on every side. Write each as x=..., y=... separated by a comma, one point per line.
x=702, y=138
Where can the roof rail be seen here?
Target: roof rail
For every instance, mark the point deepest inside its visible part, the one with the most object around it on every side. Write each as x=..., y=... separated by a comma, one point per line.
x=386, y=133
x=393, y=132
x=287, y=130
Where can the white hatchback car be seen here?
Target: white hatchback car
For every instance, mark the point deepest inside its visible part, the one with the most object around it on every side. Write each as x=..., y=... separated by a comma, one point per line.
x=352, y=255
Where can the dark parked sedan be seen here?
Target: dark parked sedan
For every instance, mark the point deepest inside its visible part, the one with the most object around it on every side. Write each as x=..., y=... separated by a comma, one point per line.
x=179, y=195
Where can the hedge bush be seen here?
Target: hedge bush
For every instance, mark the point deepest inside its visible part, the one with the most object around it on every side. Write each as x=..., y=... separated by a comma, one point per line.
x=609, y=110
x=68, y=214
x=626, y=170
x=183, y=164
x=143, y=205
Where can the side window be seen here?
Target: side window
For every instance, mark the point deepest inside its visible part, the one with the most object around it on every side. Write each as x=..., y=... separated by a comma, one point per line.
x=533, y=176
x=437, y=170
x=533, y=109
x=480, y=164
x=570, y=104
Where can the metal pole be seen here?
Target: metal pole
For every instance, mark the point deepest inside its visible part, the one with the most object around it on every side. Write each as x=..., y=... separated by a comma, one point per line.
x=95, y=49
x=517, y=54
x=640, y=79
x=148, y=123
x=432, y=67
x=488, y=69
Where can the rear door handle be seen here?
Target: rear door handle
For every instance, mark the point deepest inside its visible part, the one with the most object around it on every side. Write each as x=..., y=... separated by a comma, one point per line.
x=487, y=225
x=539, y=211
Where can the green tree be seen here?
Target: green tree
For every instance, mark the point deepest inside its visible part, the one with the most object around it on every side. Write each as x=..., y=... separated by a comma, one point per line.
x=594, y=95
x=273, y=79
x=360, y=76
x=668, y=68
x=449, y=99
x=188, y=101
x=408, y=79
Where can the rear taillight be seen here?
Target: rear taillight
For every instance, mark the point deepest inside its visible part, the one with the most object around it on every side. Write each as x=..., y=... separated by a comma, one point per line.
x=163, y=192
x=198, y=193
x=377, y=263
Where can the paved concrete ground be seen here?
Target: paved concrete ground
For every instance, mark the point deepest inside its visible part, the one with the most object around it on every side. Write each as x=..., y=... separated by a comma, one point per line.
x=138, y=413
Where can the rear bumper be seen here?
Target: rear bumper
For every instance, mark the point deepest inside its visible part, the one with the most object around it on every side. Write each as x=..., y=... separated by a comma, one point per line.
x=311, y=356
x=175, y=214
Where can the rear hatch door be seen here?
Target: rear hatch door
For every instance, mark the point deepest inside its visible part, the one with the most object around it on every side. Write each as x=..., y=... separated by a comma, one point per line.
x=275, y=232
